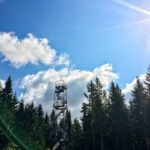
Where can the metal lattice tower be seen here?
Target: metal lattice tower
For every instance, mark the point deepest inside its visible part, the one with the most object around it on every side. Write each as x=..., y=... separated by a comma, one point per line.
x=60, y=108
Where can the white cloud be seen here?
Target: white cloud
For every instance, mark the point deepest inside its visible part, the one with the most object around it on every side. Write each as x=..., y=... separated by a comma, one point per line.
x=2, y=83
x=63, y=60
x=130, y=86
x=39, y=87
x=28, y=50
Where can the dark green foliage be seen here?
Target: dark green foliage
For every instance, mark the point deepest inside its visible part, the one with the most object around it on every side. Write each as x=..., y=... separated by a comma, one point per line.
x=147, y=107
x=119, y=119
x=86, y=127
x=76, y=136
x=11, y=146
x=137, y=104
x=94, y=117
x=68, y=128
x=107, y=122
x=147, y=84
x=18, y=123
x=53, y=128
x=3, y=141
x=47, y=130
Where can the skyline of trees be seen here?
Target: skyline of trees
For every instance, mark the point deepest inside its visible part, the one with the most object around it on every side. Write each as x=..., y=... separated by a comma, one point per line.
x=106, y=123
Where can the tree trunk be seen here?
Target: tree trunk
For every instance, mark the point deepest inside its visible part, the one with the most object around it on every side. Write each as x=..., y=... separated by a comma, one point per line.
x=93, y=139
x=101, y=138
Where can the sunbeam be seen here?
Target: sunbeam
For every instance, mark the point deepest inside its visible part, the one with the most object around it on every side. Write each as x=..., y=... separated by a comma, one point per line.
x=142, y=31
x=133, y=7
x=125, y=25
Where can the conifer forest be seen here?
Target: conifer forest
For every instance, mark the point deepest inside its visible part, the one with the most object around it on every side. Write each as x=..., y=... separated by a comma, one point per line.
x=107, y=121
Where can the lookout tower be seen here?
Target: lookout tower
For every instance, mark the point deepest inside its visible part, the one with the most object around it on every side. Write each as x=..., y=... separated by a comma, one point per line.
x=60, y=109
x=60, y=97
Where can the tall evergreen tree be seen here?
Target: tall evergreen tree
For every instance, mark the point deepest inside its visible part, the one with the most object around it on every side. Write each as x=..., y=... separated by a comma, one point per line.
x=147, y=84
x=3, y=140
x=137, y=105
x=76, y=136
x=119, y=119
x=97, y=115
x=39, y=125
x=20, y=112
x=8, y=92
x=7, y=105
x=47, y=130
x=147, y=106
x=86, y=127
x=93, y=114
x=54, y=129
x=91, y=97
x=68, y=128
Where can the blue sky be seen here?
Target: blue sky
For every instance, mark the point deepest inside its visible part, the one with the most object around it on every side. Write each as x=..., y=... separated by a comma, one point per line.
x=88, y=33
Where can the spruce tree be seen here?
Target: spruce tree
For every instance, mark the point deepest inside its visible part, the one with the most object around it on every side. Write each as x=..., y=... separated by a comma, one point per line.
x=147, y=106
x=76, y=136
x=54, y=129
x=96, y=97
x=98, y=114
x=8, y=92
x=91, y=97
x=147, y=84
x=137, y=109
x=68, y=124
x=7, y=105
x=86, y=127
x=47, y=130
x=20, y=112
x=119, y=119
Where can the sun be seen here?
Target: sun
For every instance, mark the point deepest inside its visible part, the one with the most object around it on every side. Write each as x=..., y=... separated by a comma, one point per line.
x=141, y=25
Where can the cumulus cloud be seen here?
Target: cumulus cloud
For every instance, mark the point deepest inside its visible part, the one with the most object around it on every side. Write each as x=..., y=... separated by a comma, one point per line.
x=130, y=86
x=2, y=83
x=39, y=87
x=63, y=60
x=28, y=50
